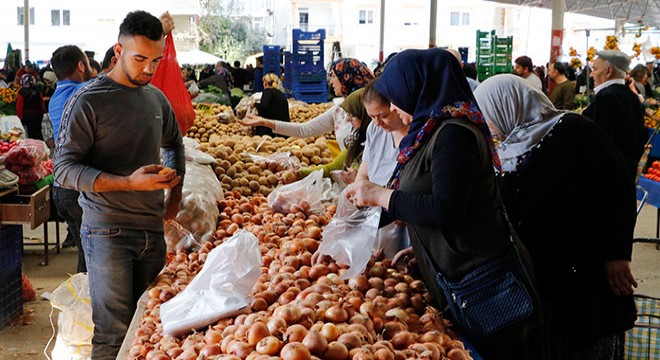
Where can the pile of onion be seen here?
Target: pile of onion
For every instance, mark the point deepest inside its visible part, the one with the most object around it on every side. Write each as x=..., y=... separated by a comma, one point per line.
x=299, y=310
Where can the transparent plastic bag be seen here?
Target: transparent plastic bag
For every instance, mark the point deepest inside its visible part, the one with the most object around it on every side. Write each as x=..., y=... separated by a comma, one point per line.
x=28, y=152
x=198, y=211
x=303, y=195
x=391, y=239
x=178, y=238
x=350, y=236
x=278, y=161
x=219, y=290
x=75, y=327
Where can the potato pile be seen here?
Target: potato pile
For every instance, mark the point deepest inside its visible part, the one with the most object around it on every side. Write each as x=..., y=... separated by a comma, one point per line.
x=238, y=172
x=304, y=112
x=214, y=119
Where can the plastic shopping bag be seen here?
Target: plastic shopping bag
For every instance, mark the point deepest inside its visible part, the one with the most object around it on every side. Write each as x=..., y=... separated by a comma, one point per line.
x=219, y=290
x=391, y=239
x=168, y=79
x=278, y=161
x=303, y=195
x=74, y=323
x=350, y=236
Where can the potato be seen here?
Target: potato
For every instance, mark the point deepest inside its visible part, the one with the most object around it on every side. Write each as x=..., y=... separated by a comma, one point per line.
x=272, y=179
x=289, y=177
x=254, y=169
x=254, y=185
x=231, y=171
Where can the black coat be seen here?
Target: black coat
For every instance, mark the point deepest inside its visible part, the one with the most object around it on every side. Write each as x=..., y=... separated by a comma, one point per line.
x=618, y=111
x=572, y=202
x=273, y=105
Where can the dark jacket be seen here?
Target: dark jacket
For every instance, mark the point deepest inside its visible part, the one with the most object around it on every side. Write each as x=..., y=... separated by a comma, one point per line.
x=273, y=105
x=618, y=111
x=572, y=221
x=448, y=196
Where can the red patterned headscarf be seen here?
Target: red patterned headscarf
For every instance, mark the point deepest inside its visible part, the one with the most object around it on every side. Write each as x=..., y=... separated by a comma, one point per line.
x=352, y=73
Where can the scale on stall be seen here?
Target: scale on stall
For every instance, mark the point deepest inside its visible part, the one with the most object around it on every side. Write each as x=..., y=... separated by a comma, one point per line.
x=7, y=178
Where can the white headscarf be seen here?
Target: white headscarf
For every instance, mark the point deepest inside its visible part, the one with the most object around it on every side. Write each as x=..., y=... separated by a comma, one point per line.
x=518, y=111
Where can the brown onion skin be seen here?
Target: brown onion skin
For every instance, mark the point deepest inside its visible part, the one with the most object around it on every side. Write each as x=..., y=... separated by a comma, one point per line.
x=295, y=351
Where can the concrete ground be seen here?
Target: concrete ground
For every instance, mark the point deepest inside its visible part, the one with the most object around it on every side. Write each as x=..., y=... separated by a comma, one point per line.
x=27, y=338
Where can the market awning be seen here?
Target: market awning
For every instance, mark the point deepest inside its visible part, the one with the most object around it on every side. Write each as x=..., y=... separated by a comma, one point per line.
x=631, y=11
x=196, y=57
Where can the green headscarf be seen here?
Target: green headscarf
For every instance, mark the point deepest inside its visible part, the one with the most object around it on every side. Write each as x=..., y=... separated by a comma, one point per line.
x=353, y=105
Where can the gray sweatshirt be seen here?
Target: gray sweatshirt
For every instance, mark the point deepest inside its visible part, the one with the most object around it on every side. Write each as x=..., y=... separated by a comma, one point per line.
x=110, y=128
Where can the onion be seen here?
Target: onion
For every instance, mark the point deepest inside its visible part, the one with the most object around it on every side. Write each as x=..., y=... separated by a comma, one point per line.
x=350, y=340
x=295, y=351
x=330, y=332
x=295, y=333
x=276, y=326
x=402, y=339
x=457, y=354
x=384, y=354
x=257, y=331
x=336, y=314
x=315, y=342
x=363, y=354
x=270, y=345
x=210, y=350
x=288, y=312
x=240, y=349
x=335, y=351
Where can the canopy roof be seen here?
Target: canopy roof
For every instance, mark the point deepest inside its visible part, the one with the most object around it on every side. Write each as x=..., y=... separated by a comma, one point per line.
x=196, y=57
x=630, y=11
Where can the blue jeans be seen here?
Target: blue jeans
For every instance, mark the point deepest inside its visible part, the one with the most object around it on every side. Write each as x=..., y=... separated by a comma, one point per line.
x=66, y=201
x=120, y=263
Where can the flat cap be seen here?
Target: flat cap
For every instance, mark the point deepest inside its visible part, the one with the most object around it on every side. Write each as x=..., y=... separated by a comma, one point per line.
x=618, y=59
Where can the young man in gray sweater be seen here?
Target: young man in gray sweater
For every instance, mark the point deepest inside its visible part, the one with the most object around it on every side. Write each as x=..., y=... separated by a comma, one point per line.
x=109, y=147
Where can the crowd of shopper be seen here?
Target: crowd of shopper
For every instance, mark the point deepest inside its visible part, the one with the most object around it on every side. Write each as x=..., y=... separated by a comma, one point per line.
x=418, y=141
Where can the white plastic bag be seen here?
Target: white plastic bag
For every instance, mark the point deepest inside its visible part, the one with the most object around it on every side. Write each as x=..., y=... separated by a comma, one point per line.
x=278, y=161
x=350, y=236
x=391, y=239
x=75, y=325
x=303, y=195
x=11, y=128
x=219, y=290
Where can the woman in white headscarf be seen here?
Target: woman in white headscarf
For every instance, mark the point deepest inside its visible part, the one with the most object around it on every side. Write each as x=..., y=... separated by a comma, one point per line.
x=569, y=195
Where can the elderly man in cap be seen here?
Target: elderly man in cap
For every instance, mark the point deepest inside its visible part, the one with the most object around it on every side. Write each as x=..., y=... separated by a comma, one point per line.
x=616, y=109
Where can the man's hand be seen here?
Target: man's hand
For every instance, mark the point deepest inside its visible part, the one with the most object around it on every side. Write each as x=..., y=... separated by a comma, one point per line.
x=366, y=193
x=620, y=277
x=147, y=178
x=168, y=23
x=404, y=260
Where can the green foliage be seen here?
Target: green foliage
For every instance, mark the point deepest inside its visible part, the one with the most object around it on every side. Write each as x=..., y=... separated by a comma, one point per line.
x=224, y=33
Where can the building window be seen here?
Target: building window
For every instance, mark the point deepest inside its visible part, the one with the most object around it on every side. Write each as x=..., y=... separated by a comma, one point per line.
x=303, y=18
x=459, y=19
x=454, y=18
x=20, y=19
x=366, y=17
x=60, y=17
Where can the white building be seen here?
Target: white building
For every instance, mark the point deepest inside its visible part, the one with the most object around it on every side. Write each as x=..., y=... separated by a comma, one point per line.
x=353, y=23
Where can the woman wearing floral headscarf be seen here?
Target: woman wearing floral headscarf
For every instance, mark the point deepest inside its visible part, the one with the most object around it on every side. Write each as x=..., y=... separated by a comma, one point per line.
x=443, y=186
x=346, y=76
x=578, y=230
x=30, y=106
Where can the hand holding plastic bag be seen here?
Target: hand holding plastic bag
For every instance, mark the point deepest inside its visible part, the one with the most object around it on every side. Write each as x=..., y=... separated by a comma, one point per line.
x=304, y=195
x=219, y=290
x=350, y=236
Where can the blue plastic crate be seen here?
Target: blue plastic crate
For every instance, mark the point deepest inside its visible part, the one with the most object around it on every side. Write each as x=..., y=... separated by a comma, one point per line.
x=271, y=49
x=11, y=243
x=304, y=41
x=309, y=87
x=318, y=76
x=11, y=295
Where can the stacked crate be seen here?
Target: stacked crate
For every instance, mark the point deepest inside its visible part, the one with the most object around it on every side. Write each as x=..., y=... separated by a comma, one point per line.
x=493, y=54
x=11, y=290
x=308, y=78
x=272, y=59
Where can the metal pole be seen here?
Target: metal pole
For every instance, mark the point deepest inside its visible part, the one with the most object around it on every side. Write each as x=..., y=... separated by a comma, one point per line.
x=557, y=34
x=382, y=31
x=434, y=15
x=26, y=27
x=586, y=68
